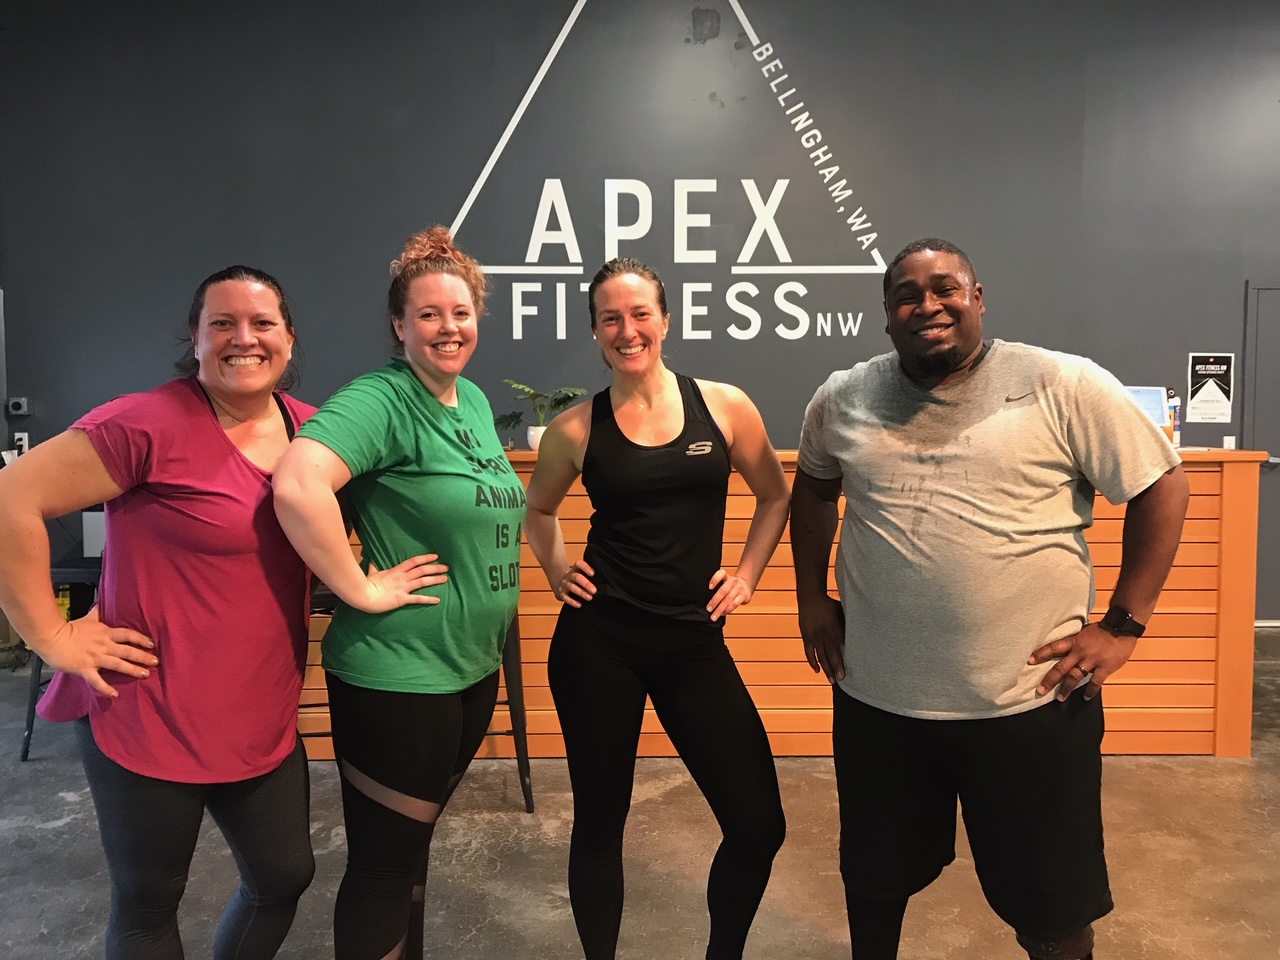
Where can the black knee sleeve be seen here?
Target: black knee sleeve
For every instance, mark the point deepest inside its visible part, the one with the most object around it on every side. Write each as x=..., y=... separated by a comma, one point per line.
x=1077, y=946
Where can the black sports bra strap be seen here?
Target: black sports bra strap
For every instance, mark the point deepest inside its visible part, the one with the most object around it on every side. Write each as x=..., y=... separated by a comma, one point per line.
x=695, y=408
x=601, y=407
x=284, y=412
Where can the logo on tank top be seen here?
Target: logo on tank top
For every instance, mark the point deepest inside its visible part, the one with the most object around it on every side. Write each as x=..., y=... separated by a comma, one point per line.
x=698, y=449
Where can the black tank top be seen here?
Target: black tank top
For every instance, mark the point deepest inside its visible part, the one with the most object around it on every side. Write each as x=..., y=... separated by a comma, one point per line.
x=657, y=530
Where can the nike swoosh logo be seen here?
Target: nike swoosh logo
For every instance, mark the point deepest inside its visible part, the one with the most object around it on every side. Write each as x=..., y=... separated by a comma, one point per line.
x=1022, y=396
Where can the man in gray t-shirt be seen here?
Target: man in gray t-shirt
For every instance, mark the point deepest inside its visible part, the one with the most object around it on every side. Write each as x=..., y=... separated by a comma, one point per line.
x=969, y=469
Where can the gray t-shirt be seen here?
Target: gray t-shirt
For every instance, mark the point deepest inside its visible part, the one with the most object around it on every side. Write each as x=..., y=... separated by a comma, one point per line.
x=962, y=548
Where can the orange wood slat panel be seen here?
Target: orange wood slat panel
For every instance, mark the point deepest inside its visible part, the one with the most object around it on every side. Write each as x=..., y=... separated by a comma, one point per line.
x=1235, y=626
x=1200, y=508
x=1193, y=531
x=1178, y=624
x=1162, y=695
x=1176, y=648
x=1171, y=601
x=313, y=720
x=1164, y=671
x=1188, y=555
x=318, y=748
x=1161, y=742
x=1159, y=718
x=1204, y=480
x=1180, y=578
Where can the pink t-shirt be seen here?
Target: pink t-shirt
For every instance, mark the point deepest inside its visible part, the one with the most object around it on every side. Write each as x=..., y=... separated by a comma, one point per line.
x=195, y=560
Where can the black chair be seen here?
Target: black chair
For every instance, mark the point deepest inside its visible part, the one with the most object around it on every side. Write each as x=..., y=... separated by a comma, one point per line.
x=81, y=576
x=513, y=678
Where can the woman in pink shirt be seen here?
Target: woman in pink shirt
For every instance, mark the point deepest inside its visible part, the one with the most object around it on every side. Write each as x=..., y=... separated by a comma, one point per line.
x=184, y=680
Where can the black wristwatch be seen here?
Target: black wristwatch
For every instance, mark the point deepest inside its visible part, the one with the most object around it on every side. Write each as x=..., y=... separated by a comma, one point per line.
x=1120, y=620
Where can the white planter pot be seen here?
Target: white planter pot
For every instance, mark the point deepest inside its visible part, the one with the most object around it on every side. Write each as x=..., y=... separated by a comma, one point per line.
x=534, y=435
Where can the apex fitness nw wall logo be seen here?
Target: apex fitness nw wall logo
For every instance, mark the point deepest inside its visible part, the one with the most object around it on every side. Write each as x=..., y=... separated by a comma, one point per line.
x=720, y=285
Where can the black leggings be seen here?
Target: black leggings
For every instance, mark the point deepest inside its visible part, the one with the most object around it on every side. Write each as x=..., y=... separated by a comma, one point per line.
x=400, y=755
x=600, y=670
x=149, y=830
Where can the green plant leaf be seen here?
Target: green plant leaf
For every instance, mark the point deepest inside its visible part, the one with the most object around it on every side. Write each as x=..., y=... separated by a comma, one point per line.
x=544, y=405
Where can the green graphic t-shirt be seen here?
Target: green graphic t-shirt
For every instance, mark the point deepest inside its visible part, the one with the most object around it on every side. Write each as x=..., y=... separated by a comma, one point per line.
x=426, y=478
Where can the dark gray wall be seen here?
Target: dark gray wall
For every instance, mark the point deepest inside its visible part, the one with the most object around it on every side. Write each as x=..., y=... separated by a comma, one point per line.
x=1113, y=169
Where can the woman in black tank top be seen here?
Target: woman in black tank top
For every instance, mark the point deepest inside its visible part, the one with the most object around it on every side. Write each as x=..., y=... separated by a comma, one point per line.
x=644, y=609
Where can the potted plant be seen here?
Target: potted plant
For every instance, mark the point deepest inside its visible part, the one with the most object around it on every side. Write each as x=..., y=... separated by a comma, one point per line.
x=544, y=407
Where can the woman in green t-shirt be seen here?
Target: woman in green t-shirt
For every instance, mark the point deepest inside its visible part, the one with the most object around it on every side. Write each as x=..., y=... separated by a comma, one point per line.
x=412, y=656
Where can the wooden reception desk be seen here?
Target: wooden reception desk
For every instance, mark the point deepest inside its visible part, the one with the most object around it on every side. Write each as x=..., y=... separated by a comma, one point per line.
x=1187, y=690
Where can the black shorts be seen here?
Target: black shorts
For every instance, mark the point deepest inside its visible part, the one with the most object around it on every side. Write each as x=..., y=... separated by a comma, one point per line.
x=1030, y=790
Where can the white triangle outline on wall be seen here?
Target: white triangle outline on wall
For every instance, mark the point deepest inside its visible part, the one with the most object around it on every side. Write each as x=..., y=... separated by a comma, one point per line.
x=876, y=268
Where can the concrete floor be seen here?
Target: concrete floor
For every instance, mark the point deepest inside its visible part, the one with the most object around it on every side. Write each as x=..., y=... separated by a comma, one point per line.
x=1193, y=843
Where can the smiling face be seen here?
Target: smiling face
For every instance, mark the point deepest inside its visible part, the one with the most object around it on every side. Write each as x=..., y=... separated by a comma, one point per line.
x=242, y=342
x=438, y=330
x=629, y=324
x=934, y=309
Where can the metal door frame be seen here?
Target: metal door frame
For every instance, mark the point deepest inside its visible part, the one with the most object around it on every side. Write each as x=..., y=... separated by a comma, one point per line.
x=1249, y=377
x=1248, y=388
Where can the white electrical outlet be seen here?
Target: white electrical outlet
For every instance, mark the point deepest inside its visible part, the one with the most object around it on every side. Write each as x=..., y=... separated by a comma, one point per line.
x=1228, y=443
x=20, y=442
